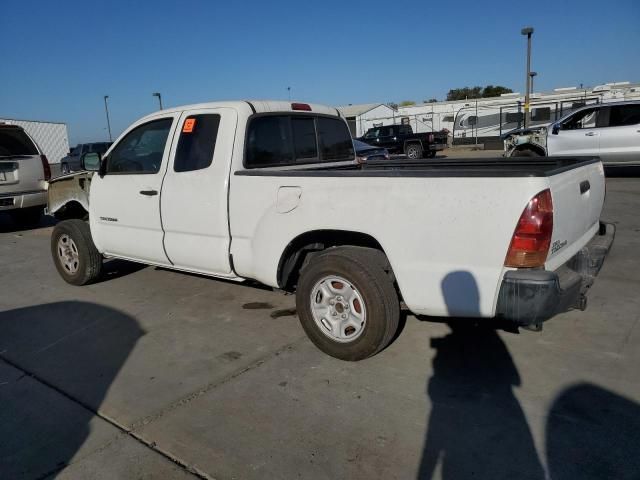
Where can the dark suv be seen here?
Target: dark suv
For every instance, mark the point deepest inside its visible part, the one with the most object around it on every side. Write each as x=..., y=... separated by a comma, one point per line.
x=71, y=163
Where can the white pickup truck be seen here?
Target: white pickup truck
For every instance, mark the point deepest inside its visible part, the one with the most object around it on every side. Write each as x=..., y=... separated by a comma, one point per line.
x=269, y=191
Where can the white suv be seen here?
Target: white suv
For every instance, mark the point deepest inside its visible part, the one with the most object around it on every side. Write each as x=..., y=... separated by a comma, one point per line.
x=610, y=131
x=24, y=173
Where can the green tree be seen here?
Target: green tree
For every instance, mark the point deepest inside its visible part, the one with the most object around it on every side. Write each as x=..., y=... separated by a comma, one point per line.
x=468, y=93
x=407, y=103
x=491, y=91
x=392, y=105
x=431, y=100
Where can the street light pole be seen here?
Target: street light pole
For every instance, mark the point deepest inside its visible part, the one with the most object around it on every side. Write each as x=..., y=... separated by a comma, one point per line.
x=531, y=75
x=106, y=109
x=157, y=94
x=528, y=31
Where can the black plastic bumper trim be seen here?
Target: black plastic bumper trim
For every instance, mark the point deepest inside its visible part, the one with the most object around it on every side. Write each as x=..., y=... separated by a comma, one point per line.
x=529, y=297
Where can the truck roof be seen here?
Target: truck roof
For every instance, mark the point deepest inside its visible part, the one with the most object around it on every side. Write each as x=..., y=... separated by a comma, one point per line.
x=256, y=106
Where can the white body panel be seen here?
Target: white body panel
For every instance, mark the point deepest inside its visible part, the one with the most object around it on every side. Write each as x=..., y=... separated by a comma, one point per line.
x=432, y=229
x=574, y=142
x=620, y=145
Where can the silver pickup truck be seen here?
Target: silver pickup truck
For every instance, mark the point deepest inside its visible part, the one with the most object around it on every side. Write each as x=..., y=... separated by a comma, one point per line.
x=610, y=131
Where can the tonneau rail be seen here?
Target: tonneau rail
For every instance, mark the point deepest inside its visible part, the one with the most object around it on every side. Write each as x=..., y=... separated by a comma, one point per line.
x=450, y=167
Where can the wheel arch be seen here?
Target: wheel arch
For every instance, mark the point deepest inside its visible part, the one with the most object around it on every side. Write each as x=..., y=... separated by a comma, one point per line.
x=73, y=209
x=530, y=146
x=309, y=243
x=413, y=141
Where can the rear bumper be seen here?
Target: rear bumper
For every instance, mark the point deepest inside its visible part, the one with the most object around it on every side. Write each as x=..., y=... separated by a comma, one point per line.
x=529, y=297
x=436, y=146
x=14, y=201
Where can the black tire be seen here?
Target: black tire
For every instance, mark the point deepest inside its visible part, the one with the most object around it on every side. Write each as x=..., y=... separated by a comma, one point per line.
x=525, y=153
x=413, y=151
x=362, y=268
x=89, y=260
x=27, y=217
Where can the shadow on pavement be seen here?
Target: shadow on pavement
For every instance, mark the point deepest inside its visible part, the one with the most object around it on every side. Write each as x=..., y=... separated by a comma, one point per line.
x=57, y=362
x=593, y=433
x=7, y=224
x=476, y=427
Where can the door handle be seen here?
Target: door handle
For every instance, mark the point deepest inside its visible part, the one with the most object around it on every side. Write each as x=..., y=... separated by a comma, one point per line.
x=590, y=134
x=149, y=193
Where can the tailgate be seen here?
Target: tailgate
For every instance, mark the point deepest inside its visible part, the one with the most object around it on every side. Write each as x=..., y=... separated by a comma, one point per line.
x=21, y=174
x=578, y=197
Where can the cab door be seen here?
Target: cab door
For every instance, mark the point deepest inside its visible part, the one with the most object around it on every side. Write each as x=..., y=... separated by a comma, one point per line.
x=125, y=201
x=194, y=193
x=578, y=135
x=620, y=137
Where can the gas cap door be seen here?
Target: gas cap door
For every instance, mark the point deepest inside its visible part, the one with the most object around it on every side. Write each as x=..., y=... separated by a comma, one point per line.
x=288, y=199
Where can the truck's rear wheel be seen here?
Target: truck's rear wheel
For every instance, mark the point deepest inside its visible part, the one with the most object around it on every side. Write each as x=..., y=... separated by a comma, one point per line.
x=74, y=254
x=347, y=304
x=414, y=151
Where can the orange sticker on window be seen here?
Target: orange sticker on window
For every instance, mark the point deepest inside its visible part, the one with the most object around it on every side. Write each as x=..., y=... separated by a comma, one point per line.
x=189, y=123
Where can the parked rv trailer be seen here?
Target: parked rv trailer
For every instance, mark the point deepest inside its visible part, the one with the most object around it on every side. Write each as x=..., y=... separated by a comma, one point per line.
x=486, y=119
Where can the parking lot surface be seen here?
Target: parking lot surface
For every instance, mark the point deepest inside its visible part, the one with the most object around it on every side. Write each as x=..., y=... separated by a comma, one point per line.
x=158, y=374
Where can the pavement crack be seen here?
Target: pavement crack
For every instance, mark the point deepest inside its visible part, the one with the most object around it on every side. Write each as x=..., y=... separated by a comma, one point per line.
x=211, y=386
x=127, y=431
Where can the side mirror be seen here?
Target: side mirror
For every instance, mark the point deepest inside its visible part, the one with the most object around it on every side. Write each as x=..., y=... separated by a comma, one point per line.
x=555, y=128
x=91, y=161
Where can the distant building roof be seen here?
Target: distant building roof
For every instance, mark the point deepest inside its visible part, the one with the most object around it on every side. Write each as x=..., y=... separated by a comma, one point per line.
x=355, y=110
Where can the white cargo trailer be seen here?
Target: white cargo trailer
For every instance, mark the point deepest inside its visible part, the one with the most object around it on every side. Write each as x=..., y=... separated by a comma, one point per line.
x=51, y=137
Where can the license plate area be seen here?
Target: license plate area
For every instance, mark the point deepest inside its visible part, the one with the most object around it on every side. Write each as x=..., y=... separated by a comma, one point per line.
x=8, y=172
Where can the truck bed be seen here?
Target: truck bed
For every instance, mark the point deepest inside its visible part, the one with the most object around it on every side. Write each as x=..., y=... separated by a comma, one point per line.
x=450, y=167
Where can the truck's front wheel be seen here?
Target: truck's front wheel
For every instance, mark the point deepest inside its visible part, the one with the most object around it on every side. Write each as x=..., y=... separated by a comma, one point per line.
x=347, y=304
x=74, y=254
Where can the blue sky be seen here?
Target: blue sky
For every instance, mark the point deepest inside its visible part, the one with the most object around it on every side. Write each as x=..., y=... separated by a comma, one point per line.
x=58, y=58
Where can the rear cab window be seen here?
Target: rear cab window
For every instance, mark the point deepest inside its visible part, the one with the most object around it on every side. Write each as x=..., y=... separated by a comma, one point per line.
x=15, y=142
x=276, y=140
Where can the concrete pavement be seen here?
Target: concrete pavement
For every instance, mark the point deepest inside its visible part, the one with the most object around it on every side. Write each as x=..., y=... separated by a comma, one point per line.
x=158, y=374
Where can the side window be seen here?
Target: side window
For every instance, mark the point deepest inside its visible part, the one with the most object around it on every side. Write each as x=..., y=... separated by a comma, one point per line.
x=372, y=133
x=623, y=115
x=197, y=142
x=141, y=150
x=584, y=119
x=334, y=139
x=304, y=138
x=269, y=142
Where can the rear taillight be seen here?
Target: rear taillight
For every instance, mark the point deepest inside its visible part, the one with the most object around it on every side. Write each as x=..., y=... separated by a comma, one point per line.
x=532, y=237
x=45, y=167
x=431, y=137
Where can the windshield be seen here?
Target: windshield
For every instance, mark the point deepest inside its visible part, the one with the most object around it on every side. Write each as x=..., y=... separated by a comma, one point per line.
x=358, y=145
x=13, y=141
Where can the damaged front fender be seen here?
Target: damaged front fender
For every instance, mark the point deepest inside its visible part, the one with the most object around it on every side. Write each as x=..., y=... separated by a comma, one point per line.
x=69, y=195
